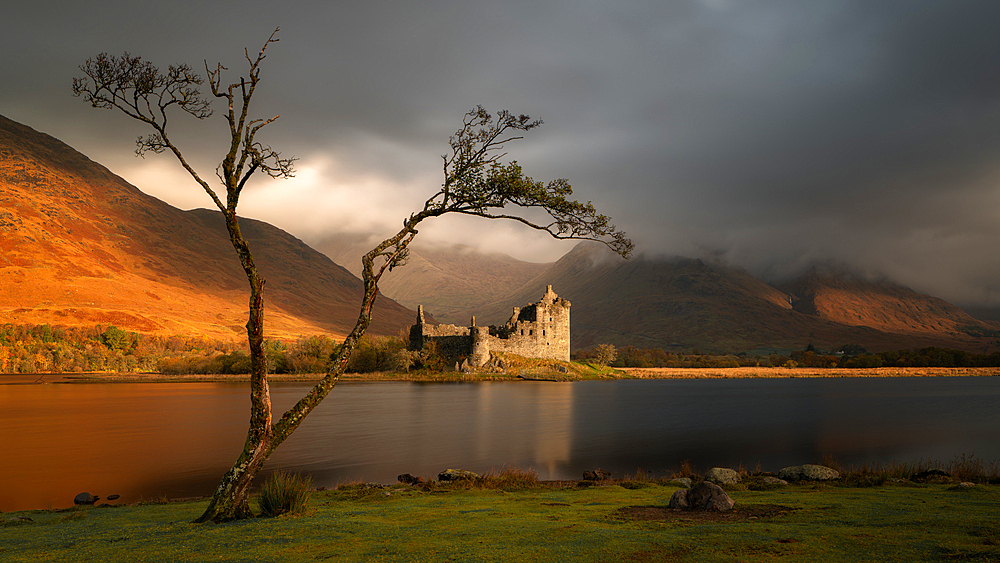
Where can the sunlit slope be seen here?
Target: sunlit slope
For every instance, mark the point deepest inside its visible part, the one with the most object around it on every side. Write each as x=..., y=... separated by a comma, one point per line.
x=79, y=245
x=844, y=298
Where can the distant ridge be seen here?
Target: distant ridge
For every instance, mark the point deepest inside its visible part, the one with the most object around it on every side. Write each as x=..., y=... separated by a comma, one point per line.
x=684, y=304
x=79, y=246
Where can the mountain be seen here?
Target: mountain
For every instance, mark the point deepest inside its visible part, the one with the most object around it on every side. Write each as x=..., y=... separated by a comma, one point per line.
x=684, y=304
x=80, y=246
x=450, y=280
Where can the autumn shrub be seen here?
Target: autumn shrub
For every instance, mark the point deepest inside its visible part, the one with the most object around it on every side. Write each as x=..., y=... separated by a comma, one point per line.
x=284, y=493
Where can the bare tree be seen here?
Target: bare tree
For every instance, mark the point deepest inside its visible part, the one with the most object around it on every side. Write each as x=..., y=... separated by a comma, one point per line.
x=476, y=182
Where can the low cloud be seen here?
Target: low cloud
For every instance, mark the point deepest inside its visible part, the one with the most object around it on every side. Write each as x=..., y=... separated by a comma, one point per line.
x=769, y=135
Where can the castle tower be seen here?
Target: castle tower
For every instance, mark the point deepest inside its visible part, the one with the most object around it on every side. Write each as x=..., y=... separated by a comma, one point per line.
x=480, y=345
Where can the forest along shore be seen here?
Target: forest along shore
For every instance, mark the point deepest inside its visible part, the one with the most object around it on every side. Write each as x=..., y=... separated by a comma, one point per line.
x=619, y=373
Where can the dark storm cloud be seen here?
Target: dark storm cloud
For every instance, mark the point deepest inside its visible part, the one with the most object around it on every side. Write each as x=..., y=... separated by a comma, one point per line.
x=769, y=134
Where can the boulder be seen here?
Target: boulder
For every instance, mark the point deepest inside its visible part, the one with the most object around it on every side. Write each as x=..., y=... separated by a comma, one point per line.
x=723, y=476
x=85, y=498
x=456, y=475
x=808, y=472
x=596, y=475
x=703, y=496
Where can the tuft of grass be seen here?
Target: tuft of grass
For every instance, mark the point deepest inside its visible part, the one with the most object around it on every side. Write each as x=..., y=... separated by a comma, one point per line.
x=284, y=493
x=686, y=470
x=974, y=470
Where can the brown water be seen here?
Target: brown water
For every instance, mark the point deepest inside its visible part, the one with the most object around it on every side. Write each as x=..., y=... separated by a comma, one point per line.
x=176, y=439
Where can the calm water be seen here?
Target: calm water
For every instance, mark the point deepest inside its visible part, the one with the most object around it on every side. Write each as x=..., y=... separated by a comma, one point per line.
x=176, y=440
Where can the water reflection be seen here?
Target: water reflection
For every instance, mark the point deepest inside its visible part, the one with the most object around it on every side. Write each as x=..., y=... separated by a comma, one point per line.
x=176, y=439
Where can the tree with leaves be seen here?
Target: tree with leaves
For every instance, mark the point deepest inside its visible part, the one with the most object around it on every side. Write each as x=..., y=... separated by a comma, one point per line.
x=476, y=181
x=604, y=354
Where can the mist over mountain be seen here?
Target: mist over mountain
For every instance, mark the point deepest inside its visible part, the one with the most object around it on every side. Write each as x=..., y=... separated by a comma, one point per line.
x=81, y=246
x=449, y=280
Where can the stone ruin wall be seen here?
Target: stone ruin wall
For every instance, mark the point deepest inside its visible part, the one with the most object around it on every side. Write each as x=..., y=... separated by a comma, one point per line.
x=539, y=330
x=452, y=341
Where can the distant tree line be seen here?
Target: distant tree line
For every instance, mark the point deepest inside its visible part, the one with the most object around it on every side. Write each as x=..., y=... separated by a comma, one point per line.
x=848, y=356
x=46, y=349
x=107, y=348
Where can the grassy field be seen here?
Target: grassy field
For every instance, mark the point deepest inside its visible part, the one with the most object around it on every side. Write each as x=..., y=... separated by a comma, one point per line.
x=625, y=521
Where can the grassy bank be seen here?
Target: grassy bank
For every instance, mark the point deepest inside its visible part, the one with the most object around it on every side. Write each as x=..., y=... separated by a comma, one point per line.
x=626, y=521
x=548, y=371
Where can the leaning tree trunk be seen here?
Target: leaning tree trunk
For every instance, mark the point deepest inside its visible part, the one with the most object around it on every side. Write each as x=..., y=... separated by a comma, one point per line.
x=231, y=498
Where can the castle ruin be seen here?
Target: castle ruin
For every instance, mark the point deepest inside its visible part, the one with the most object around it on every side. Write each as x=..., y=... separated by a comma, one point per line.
x=538, y=330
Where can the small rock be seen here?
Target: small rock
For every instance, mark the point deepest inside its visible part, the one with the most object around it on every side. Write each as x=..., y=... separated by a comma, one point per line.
x=596, y=475
x=114, y=497
x=685, y=482
x=408, y=479
x=808, y=472
x=931, y=475
x=85, y=498
x=456, y=475
x=723, y=476
x=19, y=520
x=774, y=481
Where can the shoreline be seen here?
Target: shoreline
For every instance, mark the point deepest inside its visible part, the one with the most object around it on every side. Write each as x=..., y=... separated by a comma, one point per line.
x=454, y=377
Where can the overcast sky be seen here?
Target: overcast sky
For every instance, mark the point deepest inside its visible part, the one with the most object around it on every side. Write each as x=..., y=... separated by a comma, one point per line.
x=770, y=135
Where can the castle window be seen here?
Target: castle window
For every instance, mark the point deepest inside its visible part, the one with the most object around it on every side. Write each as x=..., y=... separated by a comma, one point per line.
x=543, y=332
x=522, y=332
x=531, y=332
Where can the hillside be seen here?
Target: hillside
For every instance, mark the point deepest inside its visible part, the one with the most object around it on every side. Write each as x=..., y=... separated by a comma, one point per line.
x=842, y=297
x=684, y=304
x=79, y=246
x=448, y=280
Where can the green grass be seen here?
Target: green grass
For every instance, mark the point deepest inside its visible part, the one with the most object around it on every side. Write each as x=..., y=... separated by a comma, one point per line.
x=933, y=522
x=284, y=493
